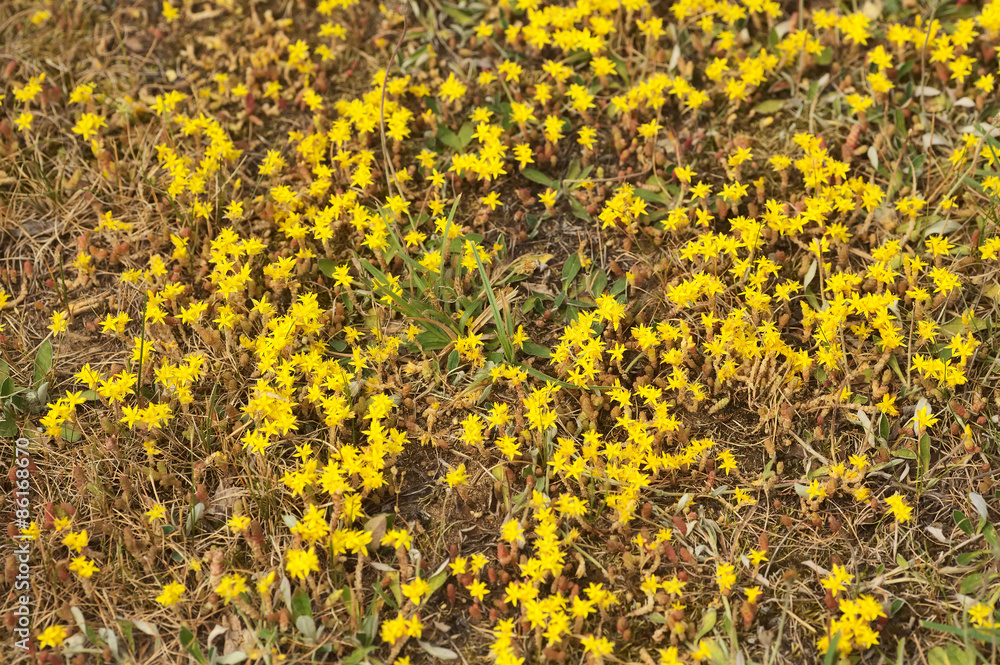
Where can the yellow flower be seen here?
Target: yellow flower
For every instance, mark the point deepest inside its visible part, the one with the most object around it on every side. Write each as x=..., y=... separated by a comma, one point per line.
x=981, y=615
x=88, y=124
x=157, y=512
x=684, y=174
x=725, y=576
x=238, y=522
x=512, y=531
x=52, y=636
x=888, y=405
x=171, y=593
x=741, y=155
x=76, y=541
x=416, y=589
x=231, y=587
x=60, y=323
x=703, y=651
x=477, y=562
x=81, y=93
x=83, y=567
x=548, y=197
x=452, y=89
x=923, y=418
x=837, y=580
x=23, y=121
x=457, y=476
x=478, y=590
x=31, y=532
x=397, y=538
x=234, y=211
x=301, y=562
x=899, y=508
x=492, y=200
x=597, y=646
x=264, y=584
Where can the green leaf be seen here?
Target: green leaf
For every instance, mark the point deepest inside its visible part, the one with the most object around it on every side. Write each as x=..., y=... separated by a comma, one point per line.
x=436, y=581
x=649, y=196
x=962, y=522
x=956, y=326
x=301, y=605
x=500, y=325
x=432, y=340
x=708, y=620
x=390, y=601
x=537, y=350
x=8, y=426
x=571, y=268
x=449, y=138
x=43, y=362
x=574, y=170
x=453, y=140
x=470, y=312
x=436, y=652
x=831, y=649
x=456, y=14
x=465, y=133
x=581, y=178
x=71, y=433
x=950, y=654
x=193, y=516
x=883, y=427
x=326, y=266
x=964, y=633
x=191, y=645
x=599, y=284
x=990, y=534
x=126, y=627
x=578, y=210
x=966, y=558
x=535, y=175
x=813, y=91
x=411, y=308
x=925, y=453
x=769, y=106
x=357, y=655
x=900, y=123
x=542, y=376
x=971, y=584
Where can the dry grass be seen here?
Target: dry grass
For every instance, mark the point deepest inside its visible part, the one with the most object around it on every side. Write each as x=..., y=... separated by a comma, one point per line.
x=666, y=438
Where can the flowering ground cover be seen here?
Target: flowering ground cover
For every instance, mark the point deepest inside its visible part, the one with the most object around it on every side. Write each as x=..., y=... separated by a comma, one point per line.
x=607, y=331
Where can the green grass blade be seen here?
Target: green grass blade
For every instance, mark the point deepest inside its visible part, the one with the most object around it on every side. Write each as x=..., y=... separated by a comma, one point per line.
x=498, y=321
